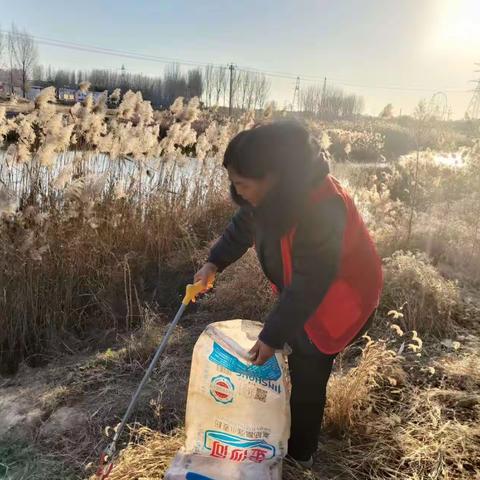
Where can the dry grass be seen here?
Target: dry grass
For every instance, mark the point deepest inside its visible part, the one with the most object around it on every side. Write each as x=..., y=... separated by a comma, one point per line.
x=149, y=454
x=350, y=394
x=242, y=290
x=101, y=272
x=390, y=417
x=97, y=255
x=428, y=302
x=147, y=457
x=461, y=369
x=395, y=423
x=448, y=233
x=83, y=231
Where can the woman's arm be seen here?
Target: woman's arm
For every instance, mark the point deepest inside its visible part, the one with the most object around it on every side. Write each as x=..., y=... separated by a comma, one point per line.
x=316, y=258
x=235, y=241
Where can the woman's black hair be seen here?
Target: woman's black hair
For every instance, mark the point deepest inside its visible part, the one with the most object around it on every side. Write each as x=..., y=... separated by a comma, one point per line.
x=286, y=150
x=275, y=148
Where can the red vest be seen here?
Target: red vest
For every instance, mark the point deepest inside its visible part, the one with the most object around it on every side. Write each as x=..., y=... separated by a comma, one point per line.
x=355, y=293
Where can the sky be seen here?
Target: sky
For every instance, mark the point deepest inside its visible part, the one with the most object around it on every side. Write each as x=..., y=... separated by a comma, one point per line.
x=388, y=51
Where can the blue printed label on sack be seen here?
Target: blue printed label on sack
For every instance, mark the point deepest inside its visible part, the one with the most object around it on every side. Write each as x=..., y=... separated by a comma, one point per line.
x=197, y=476
x=221, y=389
x=270, y=370
x=237, y=449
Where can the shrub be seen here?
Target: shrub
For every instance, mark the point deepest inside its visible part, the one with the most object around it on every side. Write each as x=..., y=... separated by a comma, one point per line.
x=397, y=140
x=351, y=393
x=355, y=145
x=384, y=217
x=434, y=179
x=429, y=303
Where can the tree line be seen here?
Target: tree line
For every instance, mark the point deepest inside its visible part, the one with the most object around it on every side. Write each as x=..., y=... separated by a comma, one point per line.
x=160, y=90
x=212, y=84
x=330, y=103
x=215, y=85
x=249, y=90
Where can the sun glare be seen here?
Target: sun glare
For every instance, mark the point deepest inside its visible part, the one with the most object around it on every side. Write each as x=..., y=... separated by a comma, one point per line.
x=456, y=26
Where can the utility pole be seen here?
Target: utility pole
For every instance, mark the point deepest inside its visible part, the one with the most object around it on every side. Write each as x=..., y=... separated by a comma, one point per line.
x=296, y=95
x=231, y=67
x=324, y=94
x=473, y=110
x=123, y=84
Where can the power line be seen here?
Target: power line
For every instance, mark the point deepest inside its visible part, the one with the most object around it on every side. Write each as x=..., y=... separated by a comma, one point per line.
x=165, y=60
x=108, y=51
x=319, y=78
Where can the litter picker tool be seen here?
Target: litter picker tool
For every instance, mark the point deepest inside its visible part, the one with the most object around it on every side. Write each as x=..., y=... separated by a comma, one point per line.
x=106, y=457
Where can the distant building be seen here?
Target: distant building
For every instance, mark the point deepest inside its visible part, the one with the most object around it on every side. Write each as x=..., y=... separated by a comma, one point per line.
x=80, y=95
x=34, y=92
x=66, y=94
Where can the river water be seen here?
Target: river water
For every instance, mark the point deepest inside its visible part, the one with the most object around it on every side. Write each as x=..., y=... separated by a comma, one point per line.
x=187, y=174
x=149, y=176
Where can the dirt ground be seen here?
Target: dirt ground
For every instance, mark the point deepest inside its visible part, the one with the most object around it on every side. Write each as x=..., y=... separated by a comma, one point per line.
x=54, y=417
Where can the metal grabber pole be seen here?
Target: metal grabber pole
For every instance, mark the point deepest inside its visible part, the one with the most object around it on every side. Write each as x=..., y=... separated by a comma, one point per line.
x=106, y=457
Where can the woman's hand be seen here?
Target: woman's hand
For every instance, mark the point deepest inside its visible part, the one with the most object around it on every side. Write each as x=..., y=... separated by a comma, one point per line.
x=260, y=353
x=205, y=274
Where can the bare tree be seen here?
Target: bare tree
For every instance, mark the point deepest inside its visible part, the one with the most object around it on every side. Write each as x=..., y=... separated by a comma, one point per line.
x=359, y=105
x=194, y=83
x=49, y=74
x=261, y=91
x=73, y=78
x=11, y=58
x=245, y=86
x=24, y=51
x=250, y=90
x=311, y=100
x=38, y=73
x=352, y=105
x=333, y=103
x=251, y=85
x=236, y=84
x=387, y=111
x=242, y=88
x=220, y=83
x=208, y=79
x=174, y=84
x=237, y=88
x=62, y=78
x=2, y=47
x=330, y=103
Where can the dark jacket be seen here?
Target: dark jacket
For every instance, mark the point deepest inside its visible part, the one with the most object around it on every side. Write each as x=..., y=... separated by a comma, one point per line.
x=316, y=251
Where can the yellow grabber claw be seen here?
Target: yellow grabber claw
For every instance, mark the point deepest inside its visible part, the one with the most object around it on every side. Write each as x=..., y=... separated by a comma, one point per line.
x=193, y=290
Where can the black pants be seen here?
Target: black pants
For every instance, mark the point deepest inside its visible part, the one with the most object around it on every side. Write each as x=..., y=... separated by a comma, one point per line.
x=309, y=372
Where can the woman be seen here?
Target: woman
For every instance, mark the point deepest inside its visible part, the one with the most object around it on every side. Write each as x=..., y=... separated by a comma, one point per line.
x=314, y=248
